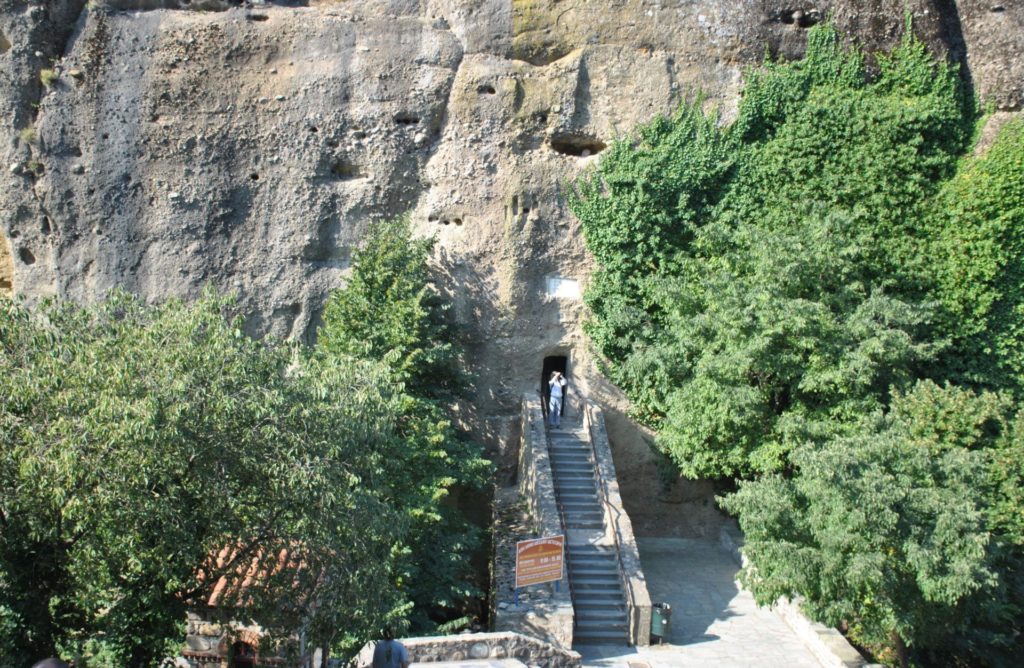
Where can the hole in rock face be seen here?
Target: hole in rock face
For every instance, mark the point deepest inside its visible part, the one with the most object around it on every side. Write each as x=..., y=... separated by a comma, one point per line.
x=254, y=177
x=995, y=9
x=345, y=169
x=45, y=226
x=314, y=129
x=579, y=146
x=256, y=17
x=406, y=118
x=486, y=89
x=799, y=17
x=26, y=256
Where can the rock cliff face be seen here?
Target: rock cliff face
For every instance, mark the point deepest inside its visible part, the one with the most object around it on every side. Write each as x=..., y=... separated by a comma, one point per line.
x=164, y=145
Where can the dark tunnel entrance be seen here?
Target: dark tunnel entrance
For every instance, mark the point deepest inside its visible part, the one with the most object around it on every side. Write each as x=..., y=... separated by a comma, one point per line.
x=551, y=364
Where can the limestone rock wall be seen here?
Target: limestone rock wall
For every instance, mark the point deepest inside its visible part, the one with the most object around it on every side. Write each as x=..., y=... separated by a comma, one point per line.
x=154, y=146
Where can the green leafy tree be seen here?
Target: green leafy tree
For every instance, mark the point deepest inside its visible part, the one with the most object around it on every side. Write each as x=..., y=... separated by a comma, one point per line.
x=389, y=311
x=787, y=341
x=891, y=531
x=770, y=295
x=137, y=444
x=817, y=142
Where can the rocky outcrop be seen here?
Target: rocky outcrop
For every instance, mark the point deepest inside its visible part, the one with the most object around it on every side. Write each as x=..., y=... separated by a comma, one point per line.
x=162, y=148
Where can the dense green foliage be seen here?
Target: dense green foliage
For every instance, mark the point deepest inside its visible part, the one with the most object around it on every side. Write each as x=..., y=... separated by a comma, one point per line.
x=979, y=232
x=886, y=528
x=388, y=310
x=777, y=296
x=136, y=443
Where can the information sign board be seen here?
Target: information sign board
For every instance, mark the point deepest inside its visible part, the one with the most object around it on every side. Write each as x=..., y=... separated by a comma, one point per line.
x=539, y=560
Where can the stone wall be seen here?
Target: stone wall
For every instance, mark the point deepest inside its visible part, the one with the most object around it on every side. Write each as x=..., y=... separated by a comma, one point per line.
x=543, y=611
x=637, y=597
x=477, y=646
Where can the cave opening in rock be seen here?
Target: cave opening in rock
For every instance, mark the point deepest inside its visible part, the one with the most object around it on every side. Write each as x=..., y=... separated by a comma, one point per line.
x=344, y=170
x=579, y=146
x=553, y=363
x=406, y=118
x=800, y=18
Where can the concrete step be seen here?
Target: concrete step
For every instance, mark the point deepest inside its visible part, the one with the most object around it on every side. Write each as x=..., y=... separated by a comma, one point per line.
x=601, y=624
x=596, y=520
x=608, y=587
x=587, y=484
x=609, y=577
x=588, y=524
x=582, y=514
x=610, y=615
x=579, y=489
x=574, y=475
x=594, y=569
x=590, y=552
x=579, y=512
x=585, y=600
x=572, y=467
x=577, y=494
x=595, y=637
x=572, y=461
x=587, y=505
x=579, y=499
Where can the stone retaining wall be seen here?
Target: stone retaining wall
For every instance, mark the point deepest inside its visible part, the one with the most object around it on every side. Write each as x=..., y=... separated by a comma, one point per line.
x=543, y=611
x=476, y=646
x=638, y=600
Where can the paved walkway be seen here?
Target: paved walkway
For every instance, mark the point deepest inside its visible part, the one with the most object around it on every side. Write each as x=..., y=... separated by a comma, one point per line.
x=714, y=623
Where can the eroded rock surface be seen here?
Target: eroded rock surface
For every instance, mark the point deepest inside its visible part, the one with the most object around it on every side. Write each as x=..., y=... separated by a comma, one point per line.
x=162, y=148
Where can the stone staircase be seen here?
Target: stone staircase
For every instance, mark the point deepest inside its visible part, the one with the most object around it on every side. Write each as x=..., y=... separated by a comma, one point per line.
x=598, y=598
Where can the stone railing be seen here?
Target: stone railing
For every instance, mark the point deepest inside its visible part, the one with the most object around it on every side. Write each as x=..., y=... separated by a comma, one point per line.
x=544, y=611
x=536, y=482
x=638, y=600
x=478, y=646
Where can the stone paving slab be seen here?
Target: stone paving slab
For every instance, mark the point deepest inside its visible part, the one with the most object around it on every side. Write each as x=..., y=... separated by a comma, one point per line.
x=714, y=622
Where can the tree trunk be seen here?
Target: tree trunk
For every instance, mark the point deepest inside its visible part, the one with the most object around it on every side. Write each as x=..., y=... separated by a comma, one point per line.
x=900, y=647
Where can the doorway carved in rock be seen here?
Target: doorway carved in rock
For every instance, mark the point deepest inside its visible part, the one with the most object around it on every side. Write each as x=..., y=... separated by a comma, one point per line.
x=553, y=363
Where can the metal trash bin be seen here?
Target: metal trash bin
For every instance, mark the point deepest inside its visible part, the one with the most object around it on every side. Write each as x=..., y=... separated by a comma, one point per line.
x=661, y=622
